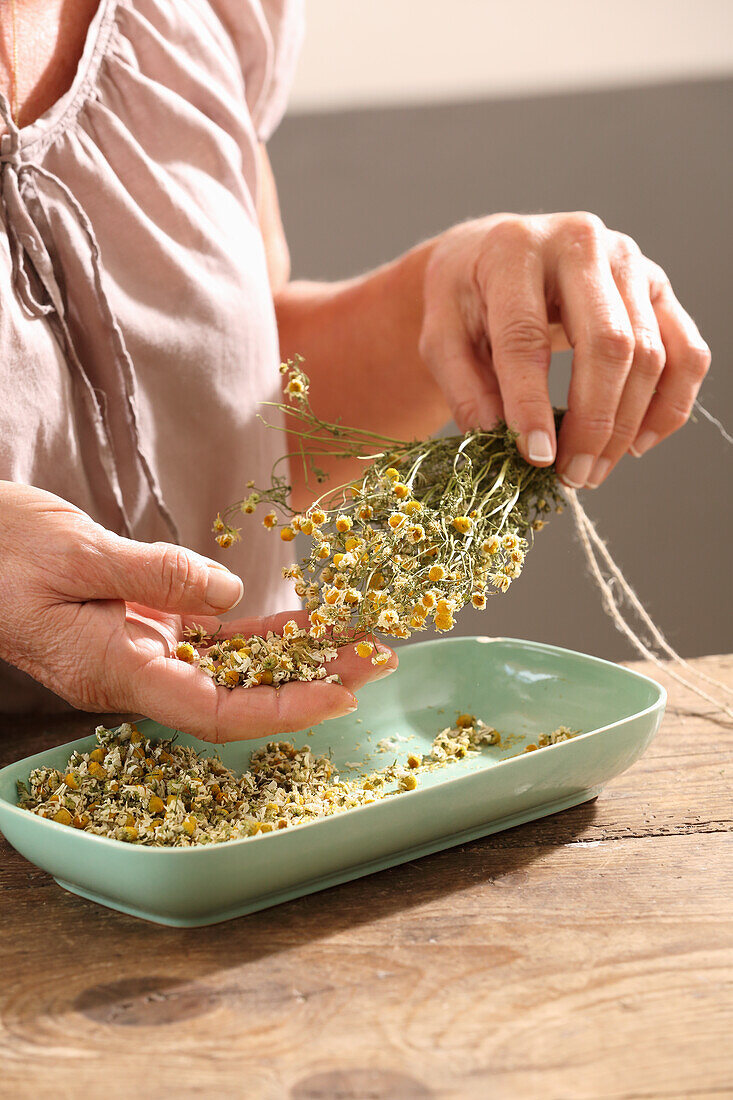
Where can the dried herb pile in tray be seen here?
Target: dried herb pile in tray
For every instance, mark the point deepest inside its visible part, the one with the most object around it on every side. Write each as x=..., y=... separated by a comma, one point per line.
x=160, y=793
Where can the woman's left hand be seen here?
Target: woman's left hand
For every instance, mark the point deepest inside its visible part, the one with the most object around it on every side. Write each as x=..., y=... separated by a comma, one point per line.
x=503, y=292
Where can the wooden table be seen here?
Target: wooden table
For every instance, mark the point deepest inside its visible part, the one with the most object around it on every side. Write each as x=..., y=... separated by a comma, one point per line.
x=588, y=955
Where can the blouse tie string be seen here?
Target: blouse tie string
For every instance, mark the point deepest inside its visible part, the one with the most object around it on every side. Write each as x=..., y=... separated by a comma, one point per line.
x=36, y=284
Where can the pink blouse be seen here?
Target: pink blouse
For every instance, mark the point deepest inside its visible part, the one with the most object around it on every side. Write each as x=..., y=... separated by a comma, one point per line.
x=137, y=330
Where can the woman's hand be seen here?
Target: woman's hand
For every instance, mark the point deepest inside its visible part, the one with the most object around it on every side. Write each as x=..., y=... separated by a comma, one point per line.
x=503, y=292
x=95, y=617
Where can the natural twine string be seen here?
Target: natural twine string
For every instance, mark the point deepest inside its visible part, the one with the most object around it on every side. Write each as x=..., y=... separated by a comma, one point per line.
x=589, y=539
x=714, y=421
x=641, y=611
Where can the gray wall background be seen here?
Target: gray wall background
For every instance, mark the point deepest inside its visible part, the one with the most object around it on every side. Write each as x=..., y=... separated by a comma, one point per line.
x=358, y=187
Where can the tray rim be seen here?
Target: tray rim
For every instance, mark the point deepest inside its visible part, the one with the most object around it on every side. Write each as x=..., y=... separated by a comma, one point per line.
x=346, y=875
x=162, y=850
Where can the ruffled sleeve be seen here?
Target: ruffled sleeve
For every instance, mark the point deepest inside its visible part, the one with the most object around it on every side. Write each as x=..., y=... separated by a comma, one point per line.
x=267, y=36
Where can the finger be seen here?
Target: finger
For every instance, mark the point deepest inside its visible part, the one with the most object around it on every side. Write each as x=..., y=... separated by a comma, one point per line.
x=602, y=338
x=354, y=671
x=157, y=575
x=632, y=279
x=180, y=696
x=467, y=383
x=688, y=361
x=512, y=283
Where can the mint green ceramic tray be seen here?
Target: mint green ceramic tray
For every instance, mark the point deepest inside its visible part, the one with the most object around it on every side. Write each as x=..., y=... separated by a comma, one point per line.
x=519, y=687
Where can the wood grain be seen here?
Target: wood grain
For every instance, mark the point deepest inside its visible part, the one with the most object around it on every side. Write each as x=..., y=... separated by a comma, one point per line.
x=588, y=956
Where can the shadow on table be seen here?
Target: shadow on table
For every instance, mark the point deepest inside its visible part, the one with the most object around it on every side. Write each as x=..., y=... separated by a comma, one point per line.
x=165, y=974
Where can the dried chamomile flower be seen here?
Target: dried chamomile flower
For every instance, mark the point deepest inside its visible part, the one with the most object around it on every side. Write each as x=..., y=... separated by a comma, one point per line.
x=224, y=533
x=562, y=733
x=186, y=652
x=195, y=633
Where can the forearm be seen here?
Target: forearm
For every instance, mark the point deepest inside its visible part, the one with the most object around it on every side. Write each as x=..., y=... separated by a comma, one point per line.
x=360, y=341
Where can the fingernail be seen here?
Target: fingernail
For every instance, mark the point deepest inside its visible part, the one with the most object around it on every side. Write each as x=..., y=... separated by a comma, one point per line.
x=380, y=671
x=577, y=471
x=539, y=447
x=599, y=471
x=349, y=709
x=224, y=590
x=643, y=443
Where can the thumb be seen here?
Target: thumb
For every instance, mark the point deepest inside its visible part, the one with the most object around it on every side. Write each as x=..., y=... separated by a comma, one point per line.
x=157, y=574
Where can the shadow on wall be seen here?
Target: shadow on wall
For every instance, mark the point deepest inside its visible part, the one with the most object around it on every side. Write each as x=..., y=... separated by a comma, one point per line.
x=359, y=187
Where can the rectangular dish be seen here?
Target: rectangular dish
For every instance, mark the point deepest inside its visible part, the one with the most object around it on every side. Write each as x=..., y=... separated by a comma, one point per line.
x=521, y=688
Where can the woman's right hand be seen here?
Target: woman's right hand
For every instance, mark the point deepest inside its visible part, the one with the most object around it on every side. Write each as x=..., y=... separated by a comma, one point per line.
x=95, y=617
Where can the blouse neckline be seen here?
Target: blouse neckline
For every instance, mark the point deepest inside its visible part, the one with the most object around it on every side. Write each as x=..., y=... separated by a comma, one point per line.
x=40, y=133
